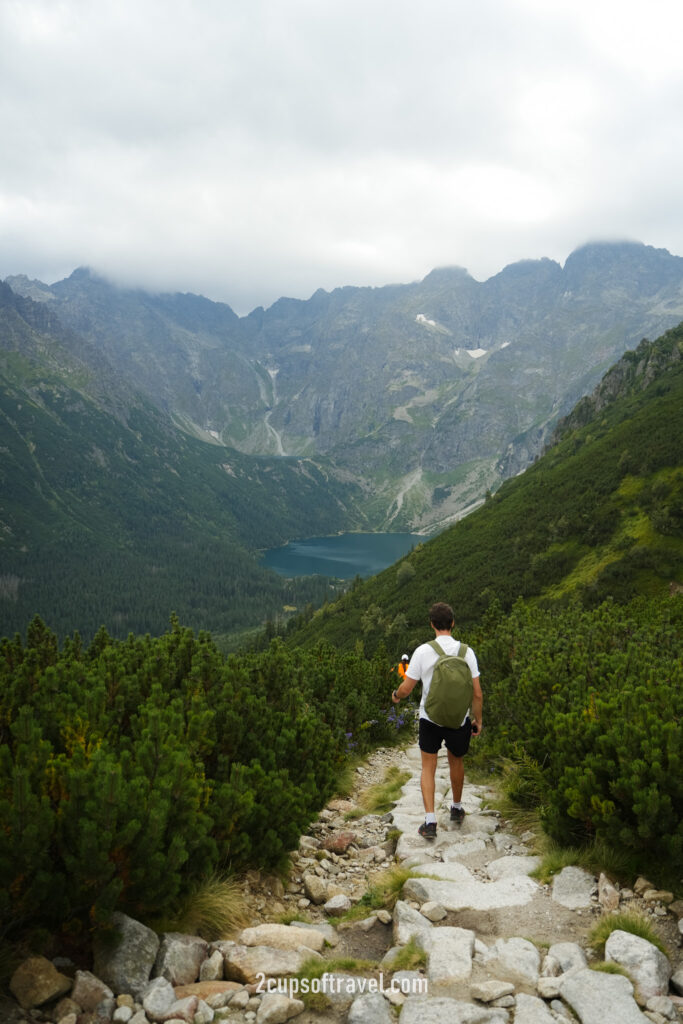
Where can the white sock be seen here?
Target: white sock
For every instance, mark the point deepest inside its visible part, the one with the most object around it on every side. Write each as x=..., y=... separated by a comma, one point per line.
x=430, y=819
x=457, y=807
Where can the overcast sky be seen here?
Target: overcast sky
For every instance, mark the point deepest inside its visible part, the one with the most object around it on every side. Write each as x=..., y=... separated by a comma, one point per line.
x=247, y=149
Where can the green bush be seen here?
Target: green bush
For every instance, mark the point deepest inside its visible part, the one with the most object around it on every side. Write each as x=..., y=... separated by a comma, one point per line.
x=133, y=769
x=593, y=700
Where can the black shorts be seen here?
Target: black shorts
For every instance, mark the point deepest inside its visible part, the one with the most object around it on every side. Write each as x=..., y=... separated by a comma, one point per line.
x=431, y=737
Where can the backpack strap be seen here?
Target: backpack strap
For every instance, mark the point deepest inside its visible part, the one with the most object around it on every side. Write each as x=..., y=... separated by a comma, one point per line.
x=462, y=650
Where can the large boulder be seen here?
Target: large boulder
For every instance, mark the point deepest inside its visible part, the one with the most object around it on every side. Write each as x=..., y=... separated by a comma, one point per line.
x=124, y=957
x=646, y=965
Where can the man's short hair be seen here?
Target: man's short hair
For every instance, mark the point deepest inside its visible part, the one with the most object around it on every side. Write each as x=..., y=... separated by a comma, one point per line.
x=441, y=615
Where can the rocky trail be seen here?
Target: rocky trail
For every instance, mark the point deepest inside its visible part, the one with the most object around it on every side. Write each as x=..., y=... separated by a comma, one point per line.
x=471, y=939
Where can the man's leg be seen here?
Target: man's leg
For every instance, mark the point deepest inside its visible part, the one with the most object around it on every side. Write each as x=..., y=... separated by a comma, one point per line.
x=457, y=770
x=427, y=783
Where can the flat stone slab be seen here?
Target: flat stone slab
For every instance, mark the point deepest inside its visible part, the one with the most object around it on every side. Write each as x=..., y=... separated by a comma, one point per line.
x=532, y=1010
x=573, y=888
x=516, y=891
x=596, y=997
x=464, y=848
x=282, y=936
x=450, y=871
x=450, y=952
x=517, y=957
x=442, y=1010
x=504, y=867
x=411, y=843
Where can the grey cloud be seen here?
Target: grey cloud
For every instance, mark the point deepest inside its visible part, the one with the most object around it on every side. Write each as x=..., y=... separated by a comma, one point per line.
x=252, y=150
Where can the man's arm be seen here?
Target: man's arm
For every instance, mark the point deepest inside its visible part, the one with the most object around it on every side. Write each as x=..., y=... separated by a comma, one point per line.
x=406, y=688
x=477, y=705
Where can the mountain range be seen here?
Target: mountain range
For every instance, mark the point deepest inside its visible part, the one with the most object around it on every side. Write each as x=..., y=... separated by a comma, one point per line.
x=425, y=394
x=151, y=444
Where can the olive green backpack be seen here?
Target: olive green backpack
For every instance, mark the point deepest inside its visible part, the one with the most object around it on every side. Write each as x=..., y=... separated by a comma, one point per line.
x=451, y=690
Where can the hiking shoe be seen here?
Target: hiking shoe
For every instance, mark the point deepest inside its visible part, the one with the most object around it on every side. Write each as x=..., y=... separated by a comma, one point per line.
x=458, y=814
x=428, y=830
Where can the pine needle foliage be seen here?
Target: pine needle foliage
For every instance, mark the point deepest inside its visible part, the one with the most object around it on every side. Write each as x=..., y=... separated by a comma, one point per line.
x=131, y=771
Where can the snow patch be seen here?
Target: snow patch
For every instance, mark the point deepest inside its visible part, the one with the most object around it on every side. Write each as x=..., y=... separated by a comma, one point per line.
x=422, y=319
x=505, y=344
x=476, y=353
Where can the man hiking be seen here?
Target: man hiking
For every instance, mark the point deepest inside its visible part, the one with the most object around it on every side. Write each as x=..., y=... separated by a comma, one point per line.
x=432, y=734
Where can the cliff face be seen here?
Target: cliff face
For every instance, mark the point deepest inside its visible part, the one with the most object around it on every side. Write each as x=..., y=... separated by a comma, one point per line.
x=632, y=373
x=426, y=394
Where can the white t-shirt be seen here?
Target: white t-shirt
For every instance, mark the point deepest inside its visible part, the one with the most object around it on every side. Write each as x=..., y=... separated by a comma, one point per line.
x=425, y=658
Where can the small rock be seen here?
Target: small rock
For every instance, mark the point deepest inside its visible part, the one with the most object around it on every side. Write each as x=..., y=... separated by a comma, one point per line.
x=677, y=980
x=531, y=1010
x=157, y=998
x=37, y=981
x=662, y=1005
x=240, y=1000
x=337, y=905
x=370, y=1007
x=204, y=1013
x=275, y=1008
x=212, y=968
x=315, y=888
x=658, y=896
x=282, y=936
x=64, y=1007
x=338, y=843
x=608, y=895
x=433, y=911
x=180, y=958
x=488, y=991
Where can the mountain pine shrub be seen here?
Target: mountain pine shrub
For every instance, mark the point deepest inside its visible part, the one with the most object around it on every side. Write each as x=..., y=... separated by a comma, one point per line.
x=594, y=699
x=132, y=770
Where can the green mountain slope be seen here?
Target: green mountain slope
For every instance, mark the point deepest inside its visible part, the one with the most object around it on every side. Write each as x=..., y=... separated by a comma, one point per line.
x=599, y=514
x=111, y=515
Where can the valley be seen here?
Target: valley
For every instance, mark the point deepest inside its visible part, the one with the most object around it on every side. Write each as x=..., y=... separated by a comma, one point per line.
x=153, y=445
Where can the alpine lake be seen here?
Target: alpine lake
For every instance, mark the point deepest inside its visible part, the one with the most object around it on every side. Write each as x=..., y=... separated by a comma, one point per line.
x=344, y=557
